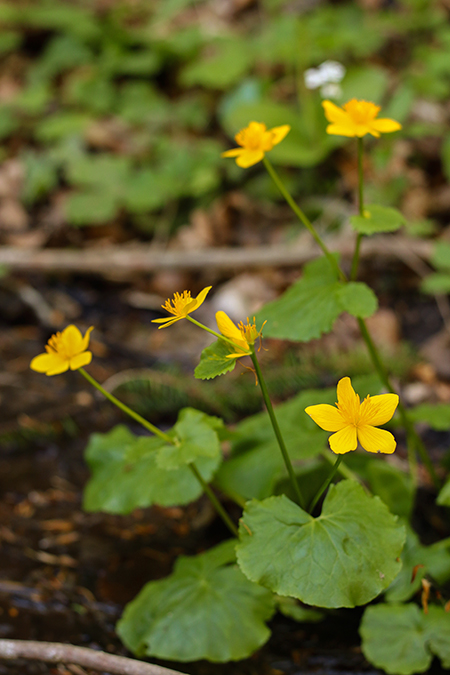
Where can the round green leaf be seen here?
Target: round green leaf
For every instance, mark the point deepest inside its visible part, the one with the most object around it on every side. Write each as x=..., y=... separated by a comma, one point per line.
x=307, y=309
x=377, y=219
x=402, y=639
x=393, y=639
x=357, y=299
x=206, y=609
x=196, y=435
x=343, y=558
x=126, y=476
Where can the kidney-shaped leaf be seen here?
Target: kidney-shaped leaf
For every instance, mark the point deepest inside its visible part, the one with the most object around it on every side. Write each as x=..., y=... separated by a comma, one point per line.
x=343, y=558
x=377, y=219
x=206, y=609
x=126, y=476
x=310, y=307
x=196, y=436
x=402, y=639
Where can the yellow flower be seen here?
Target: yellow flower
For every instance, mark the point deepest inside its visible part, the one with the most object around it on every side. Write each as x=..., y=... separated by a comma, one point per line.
x=357, y=118
x=255, y=140
x=64, y=350
x=243, y=336
x=354, y=421
x=181, y=305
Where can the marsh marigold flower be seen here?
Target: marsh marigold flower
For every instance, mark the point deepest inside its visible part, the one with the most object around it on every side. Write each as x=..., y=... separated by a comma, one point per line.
x=181, y=305
x=255, y=140
x=64, y=350
x=354, y=421
x=357, y=118
x=243, y=336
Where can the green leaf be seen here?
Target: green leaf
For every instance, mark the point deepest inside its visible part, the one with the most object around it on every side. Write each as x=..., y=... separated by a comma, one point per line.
x=310, y=307
x=441, y=255
x=256, y=463
x=126, y=476
x=402, y=639
x=91, y=208
x=41, y=175
x=436, y=284
x=290, y=607
x=436, y=415
x=377, y=219
x=392, y=485
x=357, y=299
x=62, y=124
x=307, y=309
x=434, y=562
x=345, y=557
x=443, y=498
x=206, y=609
x=229, y=63
x=196, y=433
x=214, y=361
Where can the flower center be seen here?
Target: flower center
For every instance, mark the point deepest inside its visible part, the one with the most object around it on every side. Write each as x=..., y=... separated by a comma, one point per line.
x=57, y=344
x=178, y=304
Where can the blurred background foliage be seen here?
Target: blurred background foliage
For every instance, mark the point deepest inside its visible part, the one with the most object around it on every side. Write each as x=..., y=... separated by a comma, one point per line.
x=120, y=109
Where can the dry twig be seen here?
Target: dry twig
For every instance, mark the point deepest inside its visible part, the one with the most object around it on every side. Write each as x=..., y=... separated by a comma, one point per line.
x=55, y=652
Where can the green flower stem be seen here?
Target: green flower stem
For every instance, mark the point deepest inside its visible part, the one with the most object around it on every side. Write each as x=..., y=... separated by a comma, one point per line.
x=215, y=502
x=414, y=442
x=128, y=411
x=355, y=261
x=302, y=217
x=345, y=472
x=167, y=439
x=413, y=439
x=325, y=484
x=277, y=431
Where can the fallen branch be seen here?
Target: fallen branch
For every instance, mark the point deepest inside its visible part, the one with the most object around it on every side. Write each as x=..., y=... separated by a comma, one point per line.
x=55, y=652
x=124, y=260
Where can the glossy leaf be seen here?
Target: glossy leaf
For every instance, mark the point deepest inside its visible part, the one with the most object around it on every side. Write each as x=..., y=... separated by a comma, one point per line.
x=197, y=437
x=214, y=361
x=343, y=558
x=206, y=609
x=377, y=219
x=310, y=307
x=125, y=474
x=402, y=639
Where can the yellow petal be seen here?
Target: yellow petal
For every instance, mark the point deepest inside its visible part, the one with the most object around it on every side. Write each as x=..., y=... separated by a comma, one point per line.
x=54, y=364
x=249, y=158
x=278, y=133
x=335, y=114
x=386, y=125
x=227, y=327
x=235, y=152
x=326, y=416
x=72, y=340
x=348, y=400
x=376, y=440
x=80, y=360
x=341, y=130
x=87, y=335
x=43, y=362
x=200, y=298
x=167, y=322
x=377, y=410
x=363, y=130
x=344, y=440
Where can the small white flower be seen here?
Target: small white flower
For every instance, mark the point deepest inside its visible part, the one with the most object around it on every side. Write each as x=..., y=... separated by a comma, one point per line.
x=328, y=72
